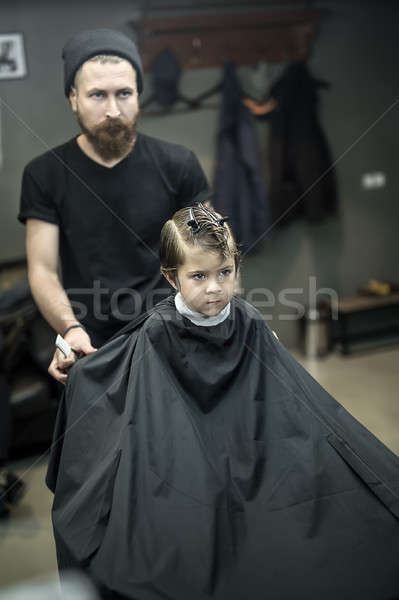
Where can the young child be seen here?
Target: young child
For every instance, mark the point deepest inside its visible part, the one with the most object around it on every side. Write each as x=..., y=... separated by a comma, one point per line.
x=196, y=459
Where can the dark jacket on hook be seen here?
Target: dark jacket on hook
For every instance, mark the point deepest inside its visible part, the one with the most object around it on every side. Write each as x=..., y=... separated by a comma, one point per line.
x=239, y=189
x=166, y=73
x=299, y=155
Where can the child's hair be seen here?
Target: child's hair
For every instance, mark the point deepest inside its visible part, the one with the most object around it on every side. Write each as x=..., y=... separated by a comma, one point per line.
x=198, y=226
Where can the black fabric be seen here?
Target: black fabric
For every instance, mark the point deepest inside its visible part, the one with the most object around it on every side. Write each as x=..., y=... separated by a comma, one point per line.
x=5, y=413
x=197, y=463
x=5, y=420
x=86, y=44
x=12, y=298
x=110, y=222
x=300, y=159
x=239, y=189
x=166, y=73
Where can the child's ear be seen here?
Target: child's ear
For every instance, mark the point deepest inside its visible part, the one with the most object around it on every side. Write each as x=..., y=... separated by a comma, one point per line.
x=170, y=277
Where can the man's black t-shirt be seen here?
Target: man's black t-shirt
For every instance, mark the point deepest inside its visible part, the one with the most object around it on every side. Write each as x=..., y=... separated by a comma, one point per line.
x=110, y=221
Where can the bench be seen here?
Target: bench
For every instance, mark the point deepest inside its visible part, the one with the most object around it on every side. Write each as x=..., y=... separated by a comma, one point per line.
x=366, y=319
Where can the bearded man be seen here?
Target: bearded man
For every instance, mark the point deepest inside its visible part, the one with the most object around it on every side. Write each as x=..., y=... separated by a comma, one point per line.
x=94, y=206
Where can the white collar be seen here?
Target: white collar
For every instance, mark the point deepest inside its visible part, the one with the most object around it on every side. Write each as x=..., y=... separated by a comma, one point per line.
x=198, y=318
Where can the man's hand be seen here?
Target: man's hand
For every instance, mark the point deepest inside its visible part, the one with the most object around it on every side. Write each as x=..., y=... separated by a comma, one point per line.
x=80, y=343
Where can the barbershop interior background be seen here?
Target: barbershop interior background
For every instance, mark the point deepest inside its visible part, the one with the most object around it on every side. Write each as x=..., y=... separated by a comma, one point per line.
x=353, y=252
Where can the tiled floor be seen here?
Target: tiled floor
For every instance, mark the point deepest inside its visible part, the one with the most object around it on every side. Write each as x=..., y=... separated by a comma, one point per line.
x=26, y=541
x=367, y=385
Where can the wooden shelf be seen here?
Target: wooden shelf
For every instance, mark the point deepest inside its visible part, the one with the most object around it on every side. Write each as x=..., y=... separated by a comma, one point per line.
x=210, y=40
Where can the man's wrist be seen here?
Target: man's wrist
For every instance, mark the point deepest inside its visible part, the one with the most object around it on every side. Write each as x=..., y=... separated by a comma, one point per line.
x=74, y=326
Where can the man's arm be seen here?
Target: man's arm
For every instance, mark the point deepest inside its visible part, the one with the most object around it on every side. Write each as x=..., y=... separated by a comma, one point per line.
x=42, y=255
x=42, y=244
x=193, y=186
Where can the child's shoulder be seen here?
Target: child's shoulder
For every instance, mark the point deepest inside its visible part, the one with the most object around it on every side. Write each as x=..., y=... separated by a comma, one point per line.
x=246, y=310
x=164, y=312
x=249, y=313
x=245, y=307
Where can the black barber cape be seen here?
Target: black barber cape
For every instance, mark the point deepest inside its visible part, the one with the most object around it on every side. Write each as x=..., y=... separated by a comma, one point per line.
x=205, y=462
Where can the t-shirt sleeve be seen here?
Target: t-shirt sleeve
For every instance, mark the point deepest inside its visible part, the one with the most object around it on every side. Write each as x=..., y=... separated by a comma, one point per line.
x=193, y=186
x=35, y=202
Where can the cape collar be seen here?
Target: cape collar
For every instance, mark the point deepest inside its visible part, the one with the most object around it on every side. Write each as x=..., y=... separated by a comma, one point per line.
x=198, y=318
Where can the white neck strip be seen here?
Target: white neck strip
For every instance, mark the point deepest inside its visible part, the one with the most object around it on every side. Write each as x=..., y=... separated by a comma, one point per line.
x=198, y=318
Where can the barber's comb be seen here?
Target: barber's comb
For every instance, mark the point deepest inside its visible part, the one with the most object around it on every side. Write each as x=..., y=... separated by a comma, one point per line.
x=193, y=223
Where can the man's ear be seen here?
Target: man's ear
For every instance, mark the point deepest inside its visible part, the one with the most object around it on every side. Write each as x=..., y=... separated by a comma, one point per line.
x=73, y=99
x=170, y=277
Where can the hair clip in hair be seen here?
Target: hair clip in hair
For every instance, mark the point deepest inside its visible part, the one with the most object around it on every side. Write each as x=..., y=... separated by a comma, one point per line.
x=223, y=220
x=193, y=223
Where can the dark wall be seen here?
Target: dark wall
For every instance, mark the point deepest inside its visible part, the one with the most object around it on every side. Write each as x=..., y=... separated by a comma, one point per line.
x=356, y=50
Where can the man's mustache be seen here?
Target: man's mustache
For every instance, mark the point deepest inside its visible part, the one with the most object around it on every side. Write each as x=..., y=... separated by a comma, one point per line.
x=112, y=126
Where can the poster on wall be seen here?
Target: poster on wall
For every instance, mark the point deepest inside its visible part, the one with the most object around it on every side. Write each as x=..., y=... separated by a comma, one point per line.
x=12, y=56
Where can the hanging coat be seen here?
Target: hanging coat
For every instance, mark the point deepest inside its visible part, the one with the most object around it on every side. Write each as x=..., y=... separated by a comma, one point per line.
x=198, y=463
x=239, y=188
x=300, y=159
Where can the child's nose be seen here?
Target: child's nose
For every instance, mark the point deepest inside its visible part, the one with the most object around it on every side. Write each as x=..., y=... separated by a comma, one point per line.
x=213, y=286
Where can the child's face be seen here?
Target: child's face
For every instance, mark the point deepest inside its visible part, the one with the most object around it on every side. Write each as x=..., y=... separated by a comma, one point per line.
x=205, y=281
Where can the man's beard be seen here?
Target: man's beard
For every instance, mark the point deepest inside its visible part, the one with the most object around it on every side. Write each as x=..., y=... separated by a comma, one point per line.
x=113, y=138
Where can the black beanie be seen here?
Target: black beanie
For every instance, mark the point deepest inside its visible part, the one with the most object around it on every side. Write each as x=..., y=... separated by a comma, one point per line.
x=86, y=44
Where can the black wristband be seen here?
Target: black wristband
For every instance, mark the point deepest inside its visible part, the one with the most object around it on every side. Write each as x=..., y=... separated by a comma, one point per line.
x=73, y=327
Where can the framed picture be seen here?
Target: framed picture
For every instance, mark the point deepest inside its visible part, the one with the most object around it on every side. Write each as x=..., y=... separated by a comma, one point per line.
x=12, y=56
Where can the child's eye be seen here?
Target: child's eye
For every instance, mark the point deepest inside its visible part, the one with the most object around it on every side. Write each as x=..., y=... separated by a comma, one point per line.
x=225, y=272
x=97, y=95
x=125, y=93
x=198, y=276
